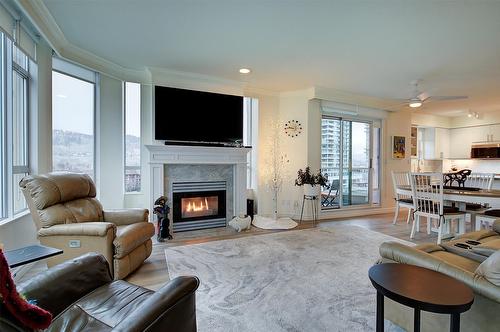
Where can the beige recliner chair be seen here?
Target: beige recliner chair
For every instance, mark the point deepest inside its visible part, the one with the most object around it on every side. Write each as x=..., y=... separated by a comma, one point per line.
x=69, y=217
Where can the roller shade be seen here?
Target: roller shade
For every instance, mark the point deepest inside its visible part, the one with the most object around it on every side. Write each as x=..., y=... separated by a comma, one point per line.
x=350, y=110
x=23, y=35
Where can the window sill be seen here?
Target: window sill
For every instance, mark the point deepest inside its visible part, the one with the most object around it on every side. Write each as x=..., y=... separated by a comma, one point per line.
x=14, y=218
x=132, y=193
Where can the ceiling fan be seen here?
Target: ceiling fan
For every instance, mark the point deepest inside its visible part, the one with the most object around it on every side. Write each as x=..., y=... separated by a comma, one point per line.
x=419, y=98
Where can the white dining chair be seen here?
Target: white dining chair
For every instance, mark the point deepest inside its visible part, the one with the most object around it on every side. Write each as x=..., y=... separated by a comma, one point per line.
x=481, y=181
x=428, y=197
x=400, y=180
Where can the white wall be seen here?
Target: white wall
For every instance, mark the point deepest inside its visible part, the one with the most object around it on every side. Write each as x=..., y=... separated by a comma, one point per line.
x=396, y=124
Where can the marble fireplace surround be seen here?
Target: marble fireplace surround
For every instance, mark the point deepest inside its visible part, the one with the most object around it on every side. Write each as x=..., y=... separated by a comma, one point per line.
x=161, y=157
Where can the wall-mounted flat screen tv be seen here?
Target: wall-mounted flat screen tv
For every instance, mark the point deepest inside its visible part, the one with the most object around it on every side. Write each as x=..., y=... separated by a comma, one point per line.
x=187, y=116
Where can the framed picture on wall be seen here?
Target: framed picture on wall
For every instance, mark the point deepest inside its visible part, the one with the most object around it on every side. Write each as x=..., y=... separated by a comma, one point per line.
x=398, y=147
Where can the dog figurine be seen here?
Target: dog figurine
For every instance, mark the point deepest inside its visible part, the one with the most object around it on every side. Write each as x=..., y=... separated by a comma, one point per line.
x=241, y=223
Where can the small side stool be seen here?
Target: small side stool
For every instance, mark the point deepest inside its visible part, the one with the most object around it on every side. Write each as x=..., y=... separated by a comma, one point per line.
x=314, y=207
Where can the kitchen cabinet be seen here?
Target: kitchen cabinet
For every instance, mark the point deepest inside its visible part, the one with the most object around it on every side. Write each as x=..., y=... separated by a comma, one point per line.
x=432, y=143
x=461, y=139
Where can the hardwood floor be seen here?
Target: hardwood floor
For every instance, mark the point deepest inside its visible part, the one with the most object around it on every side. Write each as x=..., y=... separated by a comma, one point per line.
x=153, y=273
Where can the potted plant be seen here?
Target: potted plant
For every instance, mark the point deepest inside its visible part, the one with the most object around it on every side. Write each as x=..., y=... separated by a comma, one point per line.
x=311, y=183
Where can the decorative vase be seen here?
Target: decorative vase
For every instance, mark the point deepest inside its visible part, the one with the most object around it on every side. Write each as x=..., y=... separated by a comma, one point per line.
x=312, y=190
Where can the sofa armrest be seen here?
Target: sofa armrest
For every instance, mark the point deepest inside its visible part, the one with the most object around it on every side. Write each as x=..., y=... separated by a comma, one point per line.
x=400, y=253
x=126, y=216
x=83, y=228
x=61, y=285
x=172, y=308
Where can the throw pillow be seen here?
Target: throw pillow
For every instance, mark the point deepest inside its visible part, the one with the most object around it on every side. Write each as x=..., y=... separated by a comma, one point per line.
x=490, y=269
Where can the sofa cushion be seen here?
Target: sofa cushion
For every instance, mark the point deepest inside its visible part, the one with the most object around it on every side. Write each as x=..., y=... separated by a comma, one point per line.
x=488, y=248
x=490, y=269
x=59, y=187
x=129, y=237
x=102, y=309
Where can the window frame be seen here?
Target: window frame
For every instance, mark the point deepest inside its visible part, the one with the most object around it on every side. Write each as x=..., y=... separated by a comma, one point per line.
x=25, y=168
x=8, y=170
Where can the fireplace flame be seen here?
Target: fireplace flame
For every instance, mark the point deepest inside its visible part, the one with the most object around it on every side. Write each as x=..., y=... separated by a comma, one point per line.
x=192, y=207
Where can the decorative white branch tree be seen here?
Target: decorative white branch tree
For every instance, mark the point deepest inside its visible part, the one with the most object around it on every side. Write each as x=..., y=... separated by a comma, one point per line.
x=276, y=161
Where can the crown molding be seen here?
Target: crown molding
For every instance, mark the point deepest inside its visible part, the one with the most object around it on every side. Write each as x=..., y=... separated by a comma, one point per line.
x=194, y=81
x=42, y=19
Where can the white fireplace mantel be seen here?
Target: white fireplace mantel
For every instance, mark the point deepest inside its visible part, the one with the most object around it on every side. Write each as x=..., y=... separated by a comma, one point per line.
x=161, y=155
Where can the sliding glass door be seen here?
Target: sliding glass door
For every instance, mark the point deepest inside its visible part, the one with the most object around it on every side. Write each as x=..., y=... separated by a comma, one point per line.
x=346, y=155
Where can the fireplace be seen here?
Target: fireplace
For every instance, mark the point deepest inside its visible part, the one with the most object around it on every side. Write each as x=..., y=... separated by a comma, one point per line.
x=198, y=205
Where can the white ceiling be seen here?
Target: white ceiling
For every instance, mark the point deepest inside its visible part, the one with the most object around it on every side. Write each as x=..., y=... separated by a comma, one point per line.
x=373, y=48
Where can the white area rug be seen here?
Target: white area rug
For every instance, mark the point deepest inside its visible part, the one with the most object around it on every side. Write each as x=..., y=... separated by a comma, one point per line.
x=270, y=223
x=305, y=280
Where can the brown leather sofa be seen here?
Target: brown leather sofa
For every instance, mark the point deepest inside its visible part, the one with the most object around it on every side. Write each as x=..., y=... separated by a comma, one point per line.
x=484, y=313
x=82, y=296
x=69, y=217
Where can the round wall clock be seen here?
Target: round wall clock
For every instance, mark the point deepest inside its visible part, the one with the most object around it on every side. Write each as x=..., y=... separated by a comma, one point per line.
x=293, y=128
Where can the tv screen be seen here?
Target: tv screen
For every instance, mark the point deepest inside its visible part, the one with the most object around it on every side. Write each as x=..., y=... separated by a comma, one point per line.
x=197, y=117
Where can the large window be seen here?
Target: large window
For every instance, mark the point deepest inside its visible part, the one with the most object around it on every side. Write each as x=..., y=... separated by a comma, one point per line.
x=73, y=111
x=14, y=142
x=132, y=137
x=20, y=167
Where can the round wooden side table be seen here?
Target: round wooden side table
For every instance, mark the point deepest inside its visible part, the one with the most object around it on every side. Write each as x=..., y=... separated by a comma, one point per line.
x=420, y=289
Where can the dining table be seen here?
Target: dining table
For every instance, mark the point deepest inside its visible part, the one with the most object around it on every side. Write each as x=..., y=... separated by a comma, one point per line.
x=461, y=196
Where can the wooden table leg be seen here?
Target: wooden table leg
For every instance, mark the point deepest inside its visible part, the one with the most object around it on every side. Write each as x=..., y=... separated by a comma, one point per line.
x=416, y=320
x=455, y=323
x=380, y=312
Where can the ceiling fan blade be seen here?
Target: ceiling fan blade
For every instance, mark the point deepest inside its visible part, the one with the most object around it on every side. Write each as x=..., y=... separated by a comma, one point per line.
x=444, y=98
x=423, y=96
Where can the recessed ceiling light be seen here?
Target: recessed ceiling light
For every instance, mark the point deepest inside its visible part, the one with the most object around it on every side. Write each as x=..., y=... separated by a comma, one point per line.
x=245, y=71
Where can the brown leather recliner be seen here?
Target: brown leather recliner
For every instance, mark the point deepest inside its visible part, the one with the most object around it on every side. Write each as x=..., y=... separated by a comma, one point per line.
x=81, y=296
x=69, y=217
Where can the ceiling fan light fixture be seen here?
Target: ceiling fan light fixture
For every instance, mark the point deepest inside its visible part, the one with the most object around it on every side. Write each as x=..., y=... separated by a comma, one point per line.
x=415, y=103
x=245, y=70
x=473, y=115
